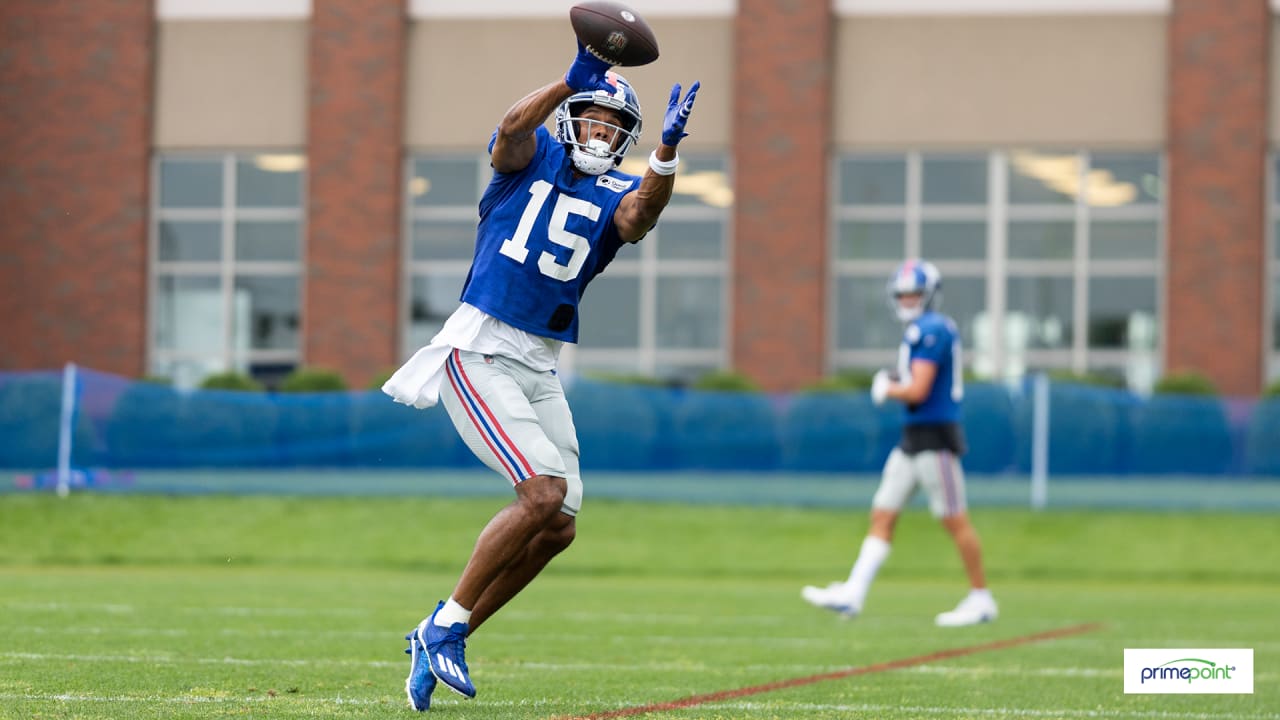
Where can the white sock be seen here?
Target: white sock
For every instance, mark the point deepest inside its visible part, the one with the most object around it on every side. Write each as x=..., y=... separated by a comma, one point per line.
x=452, y=613
x=873, y=553
x=981, y=594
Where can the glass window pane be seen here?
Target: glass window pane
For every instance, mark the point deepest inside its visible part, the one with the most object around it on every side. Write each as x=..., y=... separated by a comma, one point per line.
x=964, y=299
x=1118, y=179
x=188, y=241
x=186, y=373
x=1275, y=313
x=1123, y=239
x=864, y=319
x=1122, y=313
x=1038, y=178
x=269, y=181
x=872, y=240
x=1039, y=313
x=871, y=180
x=1041, y=239
x=690, y=239
x=688, y=312
x=610, y=313
x=189, y=313
x=444, y=239
x=267, y=240
x=266, y=313
x=191, y=183
x=702, y=181
x=953, y=240
x=445, y=181
x=433, y=298
x=955, y=180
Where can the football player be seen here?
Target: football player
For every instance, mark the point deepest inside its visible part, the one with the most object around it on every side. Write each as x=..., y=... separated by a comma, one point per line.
x=555, y=213
x=929, y=381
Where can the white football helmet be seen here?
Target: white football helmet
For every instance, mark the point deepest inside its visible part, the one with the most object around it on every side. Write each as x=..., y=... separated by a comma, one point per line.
x=595, y=157
x=912, y=277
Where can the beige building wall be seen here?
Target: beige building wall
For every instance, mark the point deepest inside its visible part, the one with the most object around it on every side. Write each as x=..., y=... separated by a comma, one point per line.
x=231, y=84
x=1064, y=81
x=464, y=74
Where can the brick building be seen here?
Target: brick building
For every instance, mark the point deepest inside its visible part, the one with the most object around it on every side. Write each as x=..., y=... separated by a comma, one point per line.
x=197, y=185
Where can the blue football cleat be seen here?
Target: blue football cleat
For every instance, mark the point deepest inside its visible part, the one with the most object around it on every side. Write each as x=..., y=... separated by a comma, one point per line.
x=420, y=683
x=445, y=647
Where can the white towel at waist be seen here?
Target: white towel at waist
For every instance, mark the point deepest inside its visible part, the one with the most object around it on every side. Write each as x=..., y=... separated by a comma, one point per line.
x=417, y=382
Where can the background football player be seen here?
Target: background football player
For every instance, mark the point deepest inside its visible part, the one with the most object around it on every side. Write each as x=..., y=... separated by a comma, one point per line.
x=929, y=381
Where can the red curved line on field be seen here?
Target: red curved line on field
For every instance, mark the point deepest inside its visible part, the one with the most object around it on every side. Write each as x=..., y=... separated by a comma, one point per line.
x=694, y=700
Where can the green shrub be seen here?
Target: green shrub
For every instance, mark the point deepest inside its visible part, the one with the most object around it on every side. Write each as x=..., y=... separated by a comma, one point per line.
x=1272, y=390
x=230, y=381
x=843, y=381
x=627, y=379
x=380, y=379
x=1097, y=379
x=1184, y=383
x=309, y=380
x=725, y=381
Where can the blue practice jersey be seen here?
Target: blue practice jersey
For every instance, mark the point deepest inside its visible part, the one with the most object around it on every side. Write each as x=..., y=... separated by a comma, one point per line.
x=934, y=337
x=543, y=235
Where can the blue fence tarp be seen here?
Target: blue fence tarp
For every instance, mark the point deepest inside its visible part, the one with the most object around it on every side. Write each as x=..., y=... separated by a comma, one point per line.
x=124, y=424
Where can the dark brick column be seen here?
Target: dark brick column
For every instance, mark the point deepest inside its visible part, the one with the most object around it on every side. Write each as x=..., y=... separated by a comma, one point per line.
x=354, y=136
x=1219, y=52
x=781, y=131
x=75, y=123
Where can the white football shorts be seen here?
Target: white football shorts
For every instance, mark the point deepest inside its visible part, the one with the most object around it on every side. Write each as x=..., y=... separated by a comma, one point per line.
x=937, y=471
x=514, y=418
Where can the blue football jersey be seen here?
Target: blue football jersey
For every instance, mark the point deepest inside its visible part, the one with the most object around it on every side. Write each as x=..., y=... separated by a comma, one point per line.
x=543, y=235
x=934, y=337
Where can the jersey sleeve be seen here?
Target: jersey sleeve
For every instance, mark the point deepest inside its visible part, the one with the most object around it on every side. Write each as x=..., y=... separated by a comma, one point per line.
x=929, y=342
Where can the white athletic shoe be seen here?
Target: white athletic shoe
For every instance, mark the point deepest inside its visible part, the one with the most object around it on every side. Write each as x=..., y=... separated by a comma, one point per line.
x=832, y=597
x=971, y=611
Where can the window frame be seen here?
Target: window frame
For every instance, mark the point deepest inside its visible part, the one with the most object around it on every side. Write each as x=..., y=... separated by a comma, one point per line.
x=228, y=268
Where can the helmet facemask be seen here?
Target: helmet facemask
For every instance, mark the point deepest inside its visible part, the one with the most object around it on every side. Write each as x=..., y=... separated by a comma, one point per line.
x=917, y=278
x=594, y=155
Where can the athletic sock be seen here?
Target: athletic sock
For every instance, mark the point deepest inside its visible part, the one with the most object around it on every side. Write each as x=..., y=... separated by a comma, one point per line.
x=981, y=594
x=452, y=613
x=870, y=557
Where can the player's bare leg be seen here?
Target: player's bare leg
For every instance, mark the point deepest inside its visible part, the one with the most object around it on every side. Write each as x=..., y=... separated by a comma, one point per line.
x=978, y=606
x=508, y=534
x=524, y=567
x=969, y=546
x=882, y=524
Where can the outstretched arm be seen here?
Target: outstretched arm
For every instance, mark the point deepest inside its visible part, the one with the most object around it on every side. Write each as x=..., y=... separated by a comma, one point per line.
x=516, y=142
x=639, y=210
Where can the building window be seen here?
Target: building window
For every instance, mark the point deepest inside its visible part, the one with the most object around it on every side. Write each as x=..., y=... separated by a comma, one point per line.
x=1050, y=260
x=226, y=265
x=659, y=310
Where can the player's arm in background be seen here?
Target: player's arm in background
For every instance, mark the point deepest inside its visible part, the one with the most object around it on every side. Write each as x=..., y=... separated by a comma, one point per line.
x=516, y=142
x=916, y=389
x=639, y=210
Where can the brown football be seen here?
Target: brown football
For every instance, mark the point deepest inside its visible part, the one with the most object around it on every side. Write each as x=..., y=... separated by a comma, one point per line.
x=614, y=32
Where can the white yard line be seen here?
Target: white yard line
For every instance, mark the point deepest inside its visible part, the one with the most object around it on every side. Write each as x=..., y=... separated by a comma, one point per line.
x=867, y=708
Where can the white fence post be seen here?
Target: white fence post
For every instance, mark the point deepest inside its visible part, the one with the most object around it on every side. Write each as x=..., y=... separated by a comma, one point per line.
x=1040, y=442
x=64, y=429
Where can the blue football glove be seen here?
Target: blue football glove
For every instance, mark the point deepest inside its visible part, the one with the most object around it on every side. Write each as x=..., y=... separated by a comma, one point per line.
x=587, y=72
x=678, y=114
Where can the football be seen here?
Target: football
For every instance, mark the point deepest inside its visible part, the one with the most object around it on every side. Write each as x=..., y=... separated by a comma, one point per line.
x=614, y=32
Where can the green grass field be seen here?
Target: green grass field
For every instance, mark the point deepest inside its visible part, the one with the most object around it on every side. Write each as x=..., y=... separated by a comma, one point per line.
x=276, y=607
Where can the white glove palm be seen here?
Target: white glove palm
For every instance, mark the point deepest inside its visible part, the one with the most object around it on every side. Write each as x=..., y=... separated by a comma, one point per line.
x=880, y=387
